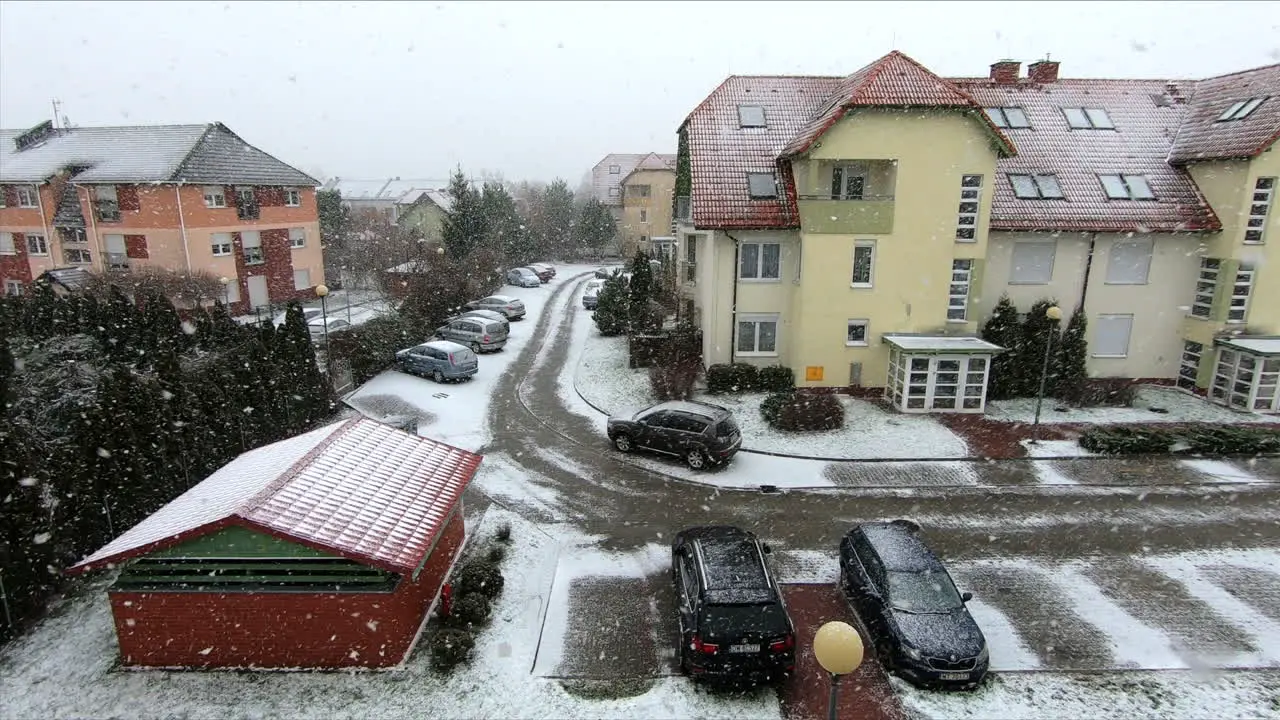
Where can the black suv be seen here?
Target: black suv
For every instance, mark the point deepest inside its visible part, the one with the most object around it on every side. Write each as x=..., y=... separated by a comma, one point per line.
x=733, y=624
x=701, y=433
x=913, y=612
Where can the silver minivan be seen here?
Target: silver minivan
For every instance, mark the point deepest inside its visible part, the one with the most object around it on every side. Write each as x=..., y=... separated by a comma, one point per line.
x=439, y=360
x=479, y=334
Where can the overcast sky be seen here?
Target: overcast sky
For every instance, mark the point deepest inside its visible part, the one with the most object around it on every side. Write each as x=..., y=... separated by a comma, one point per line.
x=538, y=90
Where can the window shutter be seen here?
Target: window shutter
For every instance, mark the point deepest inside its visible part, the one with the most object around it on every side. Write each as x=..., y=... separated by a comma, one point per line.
x=115, y=244
x=127, y=197
x=135, y=246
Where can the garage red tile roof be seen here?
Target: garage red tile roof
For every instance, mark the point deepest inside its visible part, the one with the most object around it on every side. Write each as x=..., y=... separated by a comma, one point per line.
x=1146, y=121
x=358, y=488
x=1203, y=137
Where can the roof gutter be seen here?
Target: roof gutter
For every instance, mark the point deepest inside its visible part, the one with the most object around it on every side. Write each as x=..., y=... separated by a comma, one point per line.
x=733, y=303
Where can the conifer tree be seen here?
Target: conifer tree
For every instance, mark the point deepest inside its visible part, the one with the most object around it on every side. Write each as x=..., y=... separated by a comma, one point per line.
x=1039, y=334
x=641, y=315
x=611, y=315
x=1003, y=329
x=1073, y=354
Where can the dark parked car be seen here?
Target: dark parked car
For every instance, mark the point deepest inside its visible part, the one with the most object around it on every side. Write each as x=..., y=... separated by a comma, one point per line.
x=733, y=623
x=543, y=272
x=700, y=433
x=914, y=614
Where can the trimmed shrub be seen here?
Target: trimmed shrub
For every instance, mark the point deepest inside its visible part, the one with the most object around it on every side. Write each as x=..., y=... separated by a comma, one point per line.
x=673, y=382
x=776, y=378
x=480, y=576
x=471, y=609
x=802, y=411
x=504, y=532
x=450, y=647
x=1107, y=392
x=1204, y=439
x=735, y=378
x=496, y=553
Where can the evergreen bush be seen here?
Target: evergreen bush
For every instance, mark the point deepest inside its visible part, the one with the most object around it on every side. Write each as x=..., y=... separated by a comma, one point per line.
x=504, y=532
x=735, y=378
x=450, y=647
x=1199, y=439
x=1071, y=382
x=776, y=378
x=471, y=609
x=613, y=307
x=795, y=411
x=1003, y=329
x=480, y=576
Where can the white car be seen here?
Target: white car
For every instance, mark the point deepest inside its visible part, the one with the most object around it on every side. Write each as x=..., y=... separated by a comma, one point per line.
x=591, y=294
x=317, y=329
x=308, y=314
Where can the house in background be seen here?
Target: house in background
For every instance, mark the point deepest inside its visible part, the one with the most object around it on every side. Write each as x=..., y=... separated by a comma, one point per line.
x=607, y=177
x=860, y=229
x=388, y=199
x=424, y=212
x=325, y=550
x=646, y=206
x=186, y=198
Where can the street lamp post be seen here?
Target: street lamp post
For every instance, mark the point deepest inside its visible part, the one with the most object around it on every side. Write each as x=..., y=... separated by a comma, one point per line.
x=323, y=291
x=1053, y=314
x=839, y=650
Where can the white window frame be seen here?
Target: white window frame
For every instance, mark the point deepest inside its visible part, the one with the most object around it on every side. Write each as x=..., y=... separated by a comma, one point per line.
x=307, y=284
x=958, y=301
x=297, y=239
x=1103, y=321
x=1208, y=275
x=757, y=319
x=292, y=197
x=754, y=179
x=13, y=288
x=871, y=264
x=848, y=172
x=39, y=241
x=1144, y=245
x=1003, y=118
x=28, y=196
x=1126, y=187
x=758, y=271
x=1087, y=118
x=85, y=257
x=1261, y=200
x=215, y=196
x=252, y=258
x=865, y=324
x=1237, y=315
x=117, y=250
x=1190, y=359
x=6, y=244
x=750, y=122
x=969, y=193
x=1241, y=109
x=1042, y=183
x=1014, y=265
x=222, y=248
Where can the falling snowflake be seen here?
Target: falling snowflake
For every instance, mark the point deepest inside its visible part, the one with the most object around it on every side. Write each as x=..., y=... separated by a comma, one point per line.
x=41, y=538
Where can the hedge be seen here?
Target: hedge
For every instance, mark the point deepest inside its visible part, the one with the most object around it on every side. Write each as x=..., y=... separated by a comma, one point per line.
x=777, y=378
x=1201, y=439
x=802, y=411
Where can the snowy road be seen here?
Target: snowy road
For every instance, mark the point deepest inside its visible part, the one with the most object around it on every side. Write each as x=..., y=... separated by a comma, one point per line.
x=1087, y=564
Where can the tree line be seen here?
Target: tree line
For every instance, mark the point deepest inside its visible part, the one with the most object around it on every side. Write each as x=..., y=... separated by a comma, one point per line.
x=112, y=405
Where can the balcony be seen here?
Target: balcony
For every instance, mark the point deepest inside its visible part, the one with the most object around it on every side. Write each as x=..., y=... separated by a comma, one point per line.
x=869, y=215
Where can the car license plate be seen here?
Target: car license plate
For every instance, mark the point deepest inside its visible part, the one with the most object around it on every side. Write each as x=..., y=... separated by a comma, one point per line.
x=744, y=648
x=955, y=676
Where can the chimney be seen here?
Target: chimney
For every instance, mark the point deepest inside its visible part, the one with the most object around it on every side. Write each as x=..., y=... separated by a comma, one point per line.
x=1044, y=72
x=1006, y=71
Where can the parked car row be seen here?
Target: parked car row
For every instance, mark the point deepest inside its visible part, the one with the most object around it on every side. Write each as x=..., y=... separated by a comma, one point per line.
x=734, y=624
x=531, y=275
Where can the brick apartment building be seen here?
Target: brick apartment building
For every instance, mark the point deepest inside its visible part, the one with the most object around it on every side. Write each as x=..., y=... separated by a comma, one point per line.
x=187, y=198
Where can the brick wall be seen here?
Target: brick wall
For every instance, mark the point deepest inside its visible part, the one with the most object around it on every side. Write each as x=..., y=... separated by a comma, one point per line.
x=16, y=267
x=282, y=630
x=279, y=266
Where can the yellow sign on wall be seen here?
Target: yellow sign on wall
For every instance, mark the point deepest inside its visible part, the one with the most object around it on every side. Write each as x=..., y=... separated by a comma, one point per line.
x=813, y=373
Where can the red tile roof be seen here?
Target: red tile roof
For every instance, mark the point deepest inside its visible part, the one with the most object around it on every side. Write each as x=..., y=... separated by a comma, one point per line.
x=894, y=80
x=1202, y=137
x=358, y=489
x=1138, y=146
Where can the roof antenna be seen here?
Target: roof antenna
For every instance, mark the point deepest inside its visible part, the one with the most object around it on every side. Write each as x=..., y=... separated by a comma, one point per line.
x=893, y=43
x=56, y=105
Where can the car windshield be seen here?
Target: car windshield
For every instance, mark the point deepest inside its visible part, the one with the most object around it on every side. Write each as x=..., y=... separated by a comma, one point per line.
x=923, y=592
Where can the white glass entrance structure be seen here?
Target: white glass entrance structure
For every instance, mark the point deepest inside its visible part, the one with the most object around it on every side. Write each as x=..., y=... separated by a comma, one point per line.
x=931, y=373
x=1246, y=375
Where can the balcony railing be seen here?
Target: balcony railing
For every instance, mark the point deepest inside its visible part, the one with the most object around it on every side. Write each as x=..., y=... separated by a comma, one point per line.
x=870, y=214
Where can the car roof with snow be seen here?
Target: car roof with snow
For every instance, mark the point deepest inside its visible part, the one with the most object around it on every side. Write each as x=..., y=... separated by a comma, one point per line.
x=692, y=406
x=446, y=345
x=524, y=269
x=899, y=548
x=503, y=298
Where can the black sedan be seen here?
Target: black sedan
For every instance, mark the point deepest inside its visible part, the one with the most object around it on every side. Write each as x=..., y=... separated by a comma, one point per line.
x=914, y=614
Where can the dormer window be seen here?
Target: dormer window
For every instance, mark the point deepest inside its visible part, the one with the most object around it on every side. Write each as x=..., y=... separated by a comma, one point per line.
x=1127, y=187
x=1008, y=117
x=1241, y=109
x=1088, y=119
x=762, y=186
x=1036, y=187
x=751, y=116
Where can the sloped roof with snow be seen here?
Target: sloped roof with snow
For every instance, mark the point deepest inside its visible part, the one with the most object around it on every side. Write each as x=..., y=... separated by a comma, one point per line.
x=208, y=153
x=1203, y=136
x=357, y=488
x=602, y=179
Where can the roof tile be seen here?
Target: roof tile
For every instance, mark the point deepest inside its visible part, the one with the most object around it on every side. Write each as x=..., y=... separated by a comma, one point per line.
x=1202, y=137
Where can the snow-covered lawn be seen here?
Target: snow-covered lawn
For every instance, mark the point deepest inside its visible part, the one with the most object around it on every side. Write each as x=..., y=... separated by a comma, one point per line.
x=1182, y=407
x=869, y=432
x=1121, y=695
x=64, y=667
x=455, y=412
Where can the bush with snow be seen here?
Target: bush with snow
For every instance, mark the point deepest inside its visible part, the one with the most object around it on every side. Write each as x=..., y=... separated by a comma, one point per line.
x=450, y=647
x=480, y=576
x=470, y=610
x=802, y=411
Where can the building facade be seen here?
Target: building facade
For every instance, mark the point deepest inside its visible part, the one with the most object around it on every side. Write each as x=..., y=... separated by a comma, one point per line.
x=860, y=229
x=645, y=215
x=185, y=198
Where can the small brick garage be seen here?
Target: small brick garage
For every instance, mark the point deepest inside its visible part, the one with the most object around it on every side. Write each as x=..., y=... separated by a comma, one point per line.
x=325, y=550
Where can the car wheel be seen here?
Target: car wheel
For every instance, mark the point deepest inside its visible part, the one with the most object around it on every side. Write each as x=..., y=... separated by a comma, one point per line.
x=475, y=348
x=697, y=460
x=438, y=376
x=623, y=443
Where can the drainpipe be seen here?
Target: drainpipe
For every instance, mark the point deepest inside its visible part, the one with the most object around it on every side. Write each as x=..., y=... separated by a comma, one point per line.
x=733, y=303
x=1088, y=268
x=44, y=224
x=182, y=224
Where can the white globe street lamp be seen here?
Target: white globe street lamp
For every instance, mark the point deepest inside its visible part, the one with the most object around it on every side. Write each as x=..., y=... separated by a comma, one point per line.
x=839, y=650
x=1053, y=314
x=323, y=292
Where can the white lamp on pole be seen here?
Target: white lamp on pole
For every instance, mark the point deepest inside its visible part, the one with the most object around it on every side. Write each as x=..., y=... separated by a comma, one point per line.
x=1053, y=314
x=323, y=291
x=839, y=650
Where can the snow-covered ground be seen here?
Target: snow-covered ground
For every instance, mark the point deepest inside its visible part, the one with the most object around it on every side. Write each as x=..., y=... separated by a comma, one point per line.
x=64, y=667
x=1181, y=407
x=1135, y=695
x=455, y=412
x=869, y=432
